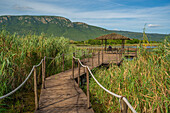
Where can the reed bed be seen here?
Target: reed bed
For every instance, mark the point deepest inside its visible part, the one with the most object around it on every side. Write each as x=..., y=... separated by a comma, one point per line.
x=18, y=55
x=144, y=81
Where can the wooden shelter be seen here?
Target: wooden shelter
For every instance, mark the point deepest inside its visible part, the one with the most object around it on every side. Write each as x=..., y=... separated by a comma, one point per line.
x=113, y=36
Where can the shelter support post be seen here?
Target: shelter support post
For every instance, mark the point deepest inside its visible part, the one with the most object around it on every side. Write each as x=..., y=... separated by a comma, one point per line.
x=102, y=51
x=105, y=44
x=123, y=44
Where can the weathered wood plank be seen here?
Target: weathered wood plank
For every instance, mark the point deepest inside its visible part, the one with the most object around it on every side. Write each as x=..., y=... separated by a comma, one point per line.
x=62, y=94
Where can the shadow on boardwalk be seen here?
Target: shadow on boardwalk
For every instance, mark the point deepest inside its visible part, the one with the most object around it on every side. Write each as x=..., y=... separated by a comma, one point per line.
x=62, y=94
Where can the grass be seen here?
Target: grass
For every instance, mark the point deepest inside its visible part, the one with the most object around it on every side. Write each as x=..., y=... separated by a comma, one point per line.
x=145, y=82
x=147, y=77
x=17, y=57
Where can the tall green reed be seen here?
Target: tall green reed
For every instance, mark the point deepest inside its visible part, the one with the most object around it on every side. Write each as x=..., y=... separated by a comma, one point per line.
x=18, y=55
x=144, y=81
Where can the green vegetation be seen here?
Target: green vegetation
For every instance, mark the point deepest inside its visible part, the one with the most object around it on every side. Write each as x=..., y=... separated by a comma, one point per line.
x=109, y=42
x=145, y=82
x=60, y=26
x=17, y=57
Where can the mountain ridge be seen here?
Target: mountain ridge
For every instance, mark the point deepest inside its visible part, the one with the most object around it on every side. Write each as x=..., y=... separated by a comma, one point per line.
x=61, y=26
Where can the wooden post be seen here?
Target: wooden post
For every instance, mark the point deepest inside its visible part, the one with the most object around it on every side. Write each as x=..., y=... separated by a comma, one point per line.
x=136, y=51
x=116, y=56
x=35, y=89
x=98, y=57
x=39, y=75
x=92, y=60
x=88, y=94
x=123, y=44
x=124, y=106
x=63, y=62
x=73, y=66
x=128, y=51
x=78, y=73
x=88, y=54
x=105, y=44
x=102, y=51
x=43, y=79
x=44, y=69
x=84, y=70
x=84, y=61
x=119, y=55
x=84, y=56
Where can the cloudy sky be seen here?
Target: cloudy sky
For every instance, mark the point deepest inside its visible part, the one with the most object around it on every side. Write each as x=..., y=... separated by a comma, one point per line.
x=127, y=15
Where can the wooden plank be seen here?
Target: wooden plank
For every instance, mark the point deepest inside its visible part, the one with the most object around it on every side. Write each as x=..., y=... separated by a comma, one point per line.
x=62, y=93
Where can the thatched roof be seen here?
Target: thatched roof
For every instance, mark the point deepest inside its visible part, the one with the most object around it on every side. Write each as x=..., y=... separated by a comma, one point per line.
x=113, y=36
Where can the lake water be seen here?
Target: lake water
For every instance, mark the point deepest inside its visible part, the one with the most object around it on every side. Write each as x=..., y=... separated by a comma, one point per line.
x=146, y=46
x=116, y=46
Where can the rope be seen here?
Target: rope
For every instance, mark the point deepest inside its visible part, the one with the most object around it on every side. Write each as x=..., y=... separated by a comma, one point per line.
x=129, y=105
x=39, y=63
x=116, y=95
x=8, y=94
x=19, y=85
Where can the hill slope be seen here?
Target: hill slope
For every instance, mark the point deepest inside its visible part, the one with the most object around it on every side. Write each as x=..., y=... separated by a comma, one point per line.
x=60, y=26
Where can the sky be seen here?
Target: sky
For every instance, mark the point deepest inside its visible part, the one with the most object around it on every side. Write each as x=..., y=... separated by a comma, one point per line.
x=125, y=15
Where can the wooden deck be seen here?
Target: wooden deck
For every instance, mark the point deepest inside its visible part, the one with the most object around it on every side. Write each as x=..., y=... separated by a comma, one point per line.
x=62, y=94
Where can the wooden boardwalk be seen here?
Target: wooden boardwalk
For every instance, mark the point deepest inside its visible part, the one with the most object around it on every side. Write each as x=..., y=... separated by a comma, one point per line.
x=62, y=94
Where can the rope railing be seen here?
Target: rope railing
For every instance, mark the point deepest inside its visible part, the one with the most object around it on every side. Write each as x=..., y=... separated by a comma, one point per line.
x=4, y=96
x=116, y=95
x=62, y=56
x=13, y=91
x=31, y=73
x=8, y=94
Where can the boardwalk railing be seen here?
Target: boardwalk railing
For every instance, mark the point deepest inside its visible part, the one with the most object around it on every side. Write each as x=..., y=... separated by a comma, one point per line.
x=35, y=82
x=43, y=62
x=124, y=104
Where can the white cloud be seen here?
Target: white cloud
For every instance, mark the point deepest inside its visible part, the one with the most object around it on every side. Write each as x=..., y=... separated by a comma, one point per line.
x=126, y=12
x=21, y=8
x=116, y=29
x=153, y=25
x=123, y=18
